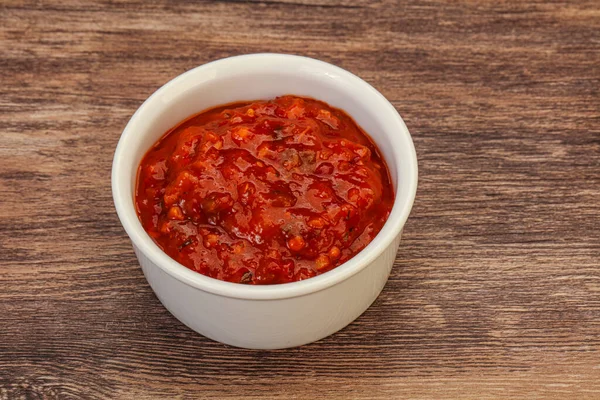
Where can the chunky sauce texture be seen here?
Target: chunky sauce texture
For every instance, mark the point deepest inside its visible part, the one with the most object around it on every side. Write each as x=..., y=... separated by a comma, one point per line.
x=264, y=192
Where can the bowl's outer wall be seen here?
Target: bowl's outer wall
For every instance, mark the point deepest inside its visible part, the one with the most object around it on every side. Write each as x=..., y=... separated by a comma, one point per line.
x=265, y=324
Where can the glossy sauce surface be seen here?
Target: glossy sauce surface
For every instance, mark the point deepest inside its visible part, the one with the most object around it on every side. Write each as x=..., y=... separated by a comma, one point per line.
x=264, y=192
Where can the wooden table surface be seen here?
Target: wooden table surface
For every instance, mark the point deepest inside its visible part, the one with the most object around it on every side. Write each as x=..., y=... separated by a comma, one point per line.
x=496, y=288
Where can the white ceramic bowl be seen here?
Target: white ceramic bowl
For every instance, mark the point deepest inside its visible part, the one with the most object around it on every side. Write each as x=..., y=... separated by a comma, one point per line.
x=274, y=316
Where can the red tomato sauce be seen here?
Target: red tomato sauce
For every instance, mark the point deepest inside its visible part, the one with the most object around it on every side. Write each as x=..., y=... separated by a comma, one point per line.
x=264, y=192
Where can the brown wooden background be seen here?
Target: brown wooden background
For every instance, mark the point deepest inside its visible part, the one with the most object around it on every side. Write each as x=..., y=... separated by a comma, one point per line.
x=496, y=288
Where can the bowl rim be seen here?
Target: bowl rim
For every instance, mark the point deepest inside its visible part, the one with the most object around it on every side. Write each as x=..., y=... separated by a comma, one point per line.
x=388, y=233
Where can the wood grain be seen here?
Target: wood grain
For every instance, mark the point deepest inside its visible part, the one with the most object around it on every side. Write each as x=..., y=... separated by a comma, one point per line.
x=496, y=288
